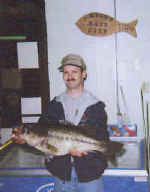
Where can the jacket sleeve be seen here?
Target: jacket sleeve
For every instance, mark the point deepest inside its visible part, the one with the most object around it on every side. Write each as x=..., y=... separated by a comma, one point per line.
x=97, y=117
x=55, y=113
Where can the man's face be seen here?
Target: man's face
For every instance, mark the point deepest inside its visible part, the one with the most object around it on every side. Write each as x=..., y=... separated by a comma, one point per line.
x=73, y=77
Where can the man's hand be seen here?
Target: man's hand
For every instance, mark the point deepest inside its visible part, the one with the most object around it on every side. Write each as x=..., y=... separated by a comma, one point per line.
x=77, y=153
x=16, y=135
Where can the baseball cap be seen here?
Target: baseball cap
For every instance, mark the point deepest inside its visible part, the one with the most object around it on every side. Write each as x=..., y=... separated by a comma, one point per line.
x=72, y=59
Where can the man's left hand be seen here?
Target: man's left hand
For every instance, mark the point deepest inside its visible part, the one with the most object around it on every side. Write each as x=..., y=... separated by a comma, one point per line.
x=77, y=153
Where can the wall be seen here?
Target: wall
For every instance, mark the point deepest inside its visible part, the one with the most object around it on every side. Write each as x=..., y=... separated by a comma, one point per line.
x=103, y=54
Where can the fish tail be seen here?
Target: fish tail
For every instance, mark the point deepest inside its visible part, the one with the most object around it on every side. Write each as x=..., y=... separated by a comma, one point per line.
x=132, y=29
x=114, y=149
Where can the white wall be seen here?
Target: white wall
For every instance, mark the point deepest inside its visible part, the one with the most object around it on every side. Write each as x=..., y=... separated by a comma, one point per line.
x=99, y=52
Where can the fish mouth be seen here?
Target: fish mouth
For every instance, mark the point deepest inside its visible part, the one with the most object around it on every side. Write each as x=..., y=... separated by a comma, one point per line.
x=52, y=148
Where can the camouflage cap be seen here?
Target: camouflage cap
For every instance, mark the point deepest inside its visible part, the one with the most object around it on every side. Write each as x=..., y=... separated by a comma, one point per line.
x=72, y=59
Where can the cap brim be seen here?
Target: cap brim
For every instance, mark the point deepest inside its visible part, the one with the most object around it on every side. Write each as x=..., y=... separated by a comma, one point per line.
x=61, y=68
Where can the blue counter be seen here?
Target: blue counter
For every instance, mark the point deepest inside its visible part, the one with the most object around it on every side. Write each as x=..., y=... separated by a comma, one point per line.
x=45, y=184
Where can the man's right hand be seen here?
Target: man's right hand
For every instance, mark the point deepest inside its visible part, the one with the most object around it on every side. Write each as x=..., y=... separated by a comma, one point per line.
x=16, y=135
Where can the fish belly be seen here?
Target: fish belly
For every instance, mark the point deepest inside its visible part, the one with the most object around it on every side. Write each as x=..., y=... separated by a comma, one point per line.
x=62, y=146
x=82, y=147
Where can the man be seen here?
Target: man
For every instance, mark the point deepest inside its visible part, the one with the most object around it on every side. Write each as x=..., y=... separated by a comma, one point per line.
x=77, y=171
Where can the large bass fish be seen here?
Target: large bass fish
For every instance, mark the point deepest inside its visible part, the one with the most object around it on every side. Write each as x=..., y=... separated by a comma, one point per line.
x=59, y=139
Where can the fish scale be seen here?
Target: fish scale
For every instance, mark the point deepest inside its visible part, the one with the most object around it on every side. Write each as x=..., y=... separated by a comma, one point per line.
x=75, y=138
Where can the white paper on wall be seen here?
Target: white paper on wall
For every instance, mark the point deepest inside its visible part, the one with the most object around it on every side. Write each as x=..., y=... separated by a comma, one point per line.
x=31, y=105
x=30, y=119
x=27, y=55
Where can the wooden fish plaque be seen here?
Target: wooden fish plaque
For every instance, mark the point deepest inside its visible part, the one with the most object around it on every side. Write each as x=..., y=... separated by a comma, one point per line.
x=99, y=24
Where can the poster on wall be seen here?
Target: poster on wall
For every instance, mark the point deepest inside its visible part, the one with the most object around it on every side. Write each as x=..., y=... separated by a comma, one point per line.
x=27, y=55
x=30, y=106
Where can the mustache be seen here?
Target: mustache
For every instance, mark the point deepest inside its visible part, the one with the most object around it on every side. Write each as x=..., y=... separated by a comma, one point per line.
x=70, y=79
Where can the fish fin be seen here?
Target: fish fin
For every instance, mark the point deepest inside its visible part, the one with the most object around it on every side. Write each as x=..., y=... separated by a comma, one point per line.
x=132, y=29
x=87, y=130
x=52, y=149
x=114, y=150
